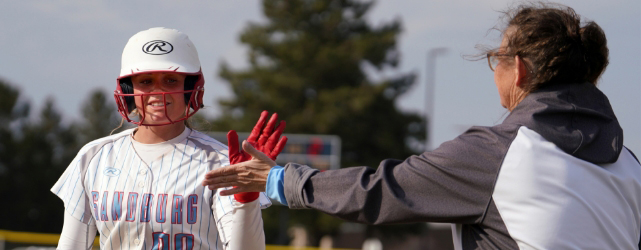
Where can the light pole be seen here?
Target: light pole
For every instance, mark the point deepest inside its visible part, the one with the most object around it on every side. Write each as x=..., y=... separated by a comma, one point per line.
x=429, y=93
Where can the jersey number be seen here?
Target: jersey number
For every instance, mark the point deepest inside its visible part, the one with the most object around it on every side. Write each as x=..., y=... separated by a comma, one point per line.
x=162, y=241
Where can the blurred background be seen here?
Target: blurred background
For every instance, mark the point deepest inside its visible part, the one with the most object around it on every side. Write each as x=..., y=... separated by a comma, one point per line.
x=356, y=81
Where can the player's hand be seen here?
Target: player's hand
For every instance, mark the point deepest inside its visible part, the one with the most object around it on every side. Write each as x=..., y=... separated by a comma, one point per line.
x=268, y=141
x=248, y=176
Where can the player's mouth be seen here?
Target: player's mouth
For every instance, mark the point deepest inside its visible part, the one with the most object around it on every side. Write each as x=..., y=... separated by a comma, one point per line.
x=158, y=105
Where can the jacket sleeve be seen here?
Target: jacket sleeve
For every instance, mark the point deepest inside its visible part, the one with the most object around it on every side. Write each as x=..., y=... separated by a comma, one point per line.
x=453, y=183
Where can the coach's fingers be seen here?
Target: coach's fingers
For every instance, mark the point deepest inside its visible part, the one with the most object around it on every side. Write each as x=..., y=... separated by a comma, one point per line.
x=248, y=181
x=221, y=181
x=232, y=191
x=229, y=170
x=253, y=136
x=245, y=188
x=258, y=155
x=218, y=185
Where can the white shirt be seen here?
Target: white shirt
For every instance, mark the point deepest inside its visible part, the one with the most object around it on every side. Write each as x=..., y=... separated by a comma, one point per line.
x=139, y=198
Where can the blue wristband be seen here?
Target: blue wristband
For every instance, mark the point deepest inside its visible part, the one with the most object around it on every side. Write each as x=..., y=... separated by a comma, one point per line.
x=275, y=187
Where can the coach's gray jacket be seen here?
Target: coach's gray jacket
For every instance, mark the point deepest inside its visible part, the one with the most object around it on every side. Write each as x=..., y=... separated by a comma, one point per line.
x=553, y=175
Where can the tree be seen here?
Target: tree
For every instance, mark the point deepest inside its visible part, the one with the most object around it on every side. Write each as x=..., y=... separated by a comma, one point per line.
x=99, y=117
x=306, y=63
x=12, y=115
x=33, y=155
x=35, y=152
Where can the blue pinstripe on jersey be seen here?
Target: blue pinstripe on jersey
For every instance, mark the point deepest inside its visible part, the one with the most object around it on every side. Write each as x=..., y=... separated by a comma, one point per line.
x=77, y=159
x=76, y=182
x=176, y=184
x=104, y=225
x=157, y=180
x=202, y=197
x=78, y=201
x=126, y=211
x=109, y=180
x=74, y=185
x=116, y=185
x=168, y=172
x=135, y=181
x=204, y=137
x=151, y=219
x=98, y=163
x=208, y=227
x=182, y=226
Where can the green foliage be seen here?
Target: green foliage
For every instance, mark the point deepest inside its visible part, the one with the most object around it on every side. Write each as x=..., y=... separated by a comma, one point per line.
x=35, y=152
x=99, y=117
x=306, y=64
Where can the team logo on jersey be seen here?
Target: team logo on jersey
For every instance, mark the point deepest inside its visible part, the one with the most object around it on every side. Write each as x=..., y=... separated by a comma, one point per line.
x=112, y=172
x=157, y=47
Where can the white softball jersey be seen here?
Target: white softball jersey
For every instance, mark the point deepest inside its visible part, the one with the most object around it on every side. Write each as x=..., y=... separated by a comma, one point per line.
x=152, y=203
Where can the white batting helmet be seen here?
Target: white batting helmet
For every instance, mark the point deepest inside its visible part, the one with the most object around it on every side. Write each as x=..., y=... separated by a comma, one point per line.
x=159, y=50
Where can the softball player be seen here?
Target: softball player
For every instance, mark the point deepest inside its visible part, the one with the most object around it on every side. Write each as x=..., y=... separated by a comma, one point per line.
x=141, y=188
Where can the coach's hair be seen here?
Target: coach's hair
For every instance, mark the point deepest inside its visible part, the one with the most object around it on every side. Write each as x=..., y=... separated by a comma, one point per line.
x=555, y=48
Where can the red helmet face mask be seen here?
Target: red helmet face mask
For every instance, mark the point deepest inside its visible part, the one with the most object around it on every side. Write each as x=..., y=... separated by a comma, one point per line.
x=126, y=100
x=159, y=50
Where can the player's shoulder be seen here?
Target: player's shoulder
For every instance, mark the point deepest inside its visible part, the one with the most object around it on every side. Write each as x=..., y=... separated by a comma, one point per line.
x=100, y=142
x=207, y=140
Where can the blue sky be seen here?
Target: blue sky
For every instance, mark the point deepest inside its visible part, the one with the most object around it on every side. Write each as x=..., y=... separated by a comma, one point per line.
x=65, y=49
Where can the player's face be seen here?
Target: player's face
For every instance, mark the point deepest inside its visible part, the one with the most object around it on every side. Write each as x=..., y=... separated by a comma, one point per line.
x=153, y=105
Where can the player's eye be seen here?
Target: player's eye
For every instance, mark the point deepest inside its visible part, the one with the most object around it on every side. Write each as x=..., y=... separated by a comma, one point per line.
x=172, y=82
x=145, y=82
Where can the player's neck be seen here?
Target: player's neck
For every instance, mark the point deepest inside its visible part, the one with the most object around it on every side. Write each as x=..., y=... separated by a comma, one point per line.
x=158, y=134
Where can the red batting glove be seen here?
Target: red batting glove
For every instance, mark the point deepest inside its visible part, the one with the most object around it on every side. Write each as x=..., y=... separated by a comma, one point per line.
x=269, y=142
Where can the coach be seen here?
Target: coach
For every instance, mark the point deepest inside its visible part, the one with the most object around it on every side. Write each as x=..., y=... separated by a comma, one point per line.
x=553, y=175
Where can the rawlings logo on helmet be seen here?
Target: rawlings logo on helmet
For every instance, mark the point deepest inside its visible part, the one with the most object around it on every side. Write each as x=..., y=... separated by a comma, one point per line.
x=157, y=47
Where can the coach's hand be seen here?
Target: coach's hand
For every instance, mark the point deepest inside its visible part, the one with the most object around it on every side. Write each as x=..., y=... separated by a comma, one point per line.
x=266, y=139
x=248, y=176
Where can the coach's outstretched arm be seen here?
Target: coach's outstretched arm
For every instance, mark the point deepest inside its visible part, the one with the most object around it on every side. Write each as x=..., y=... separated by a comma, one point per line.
x=451, y=184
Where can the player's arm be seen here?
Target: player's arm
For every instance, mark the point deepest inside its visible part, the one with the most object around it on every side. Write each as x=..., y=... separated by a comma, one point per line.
x=79, y=228
x=245, y=229
x=76, y=234
x=240, y=225
x=248, y=224
x=244, y=225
